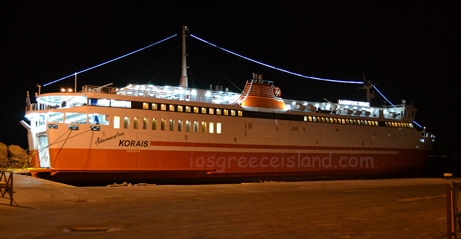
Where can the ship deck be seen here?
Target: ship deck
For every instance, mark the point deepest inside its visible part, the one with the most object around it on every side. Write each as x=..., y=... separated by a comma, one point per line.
x=386, y=208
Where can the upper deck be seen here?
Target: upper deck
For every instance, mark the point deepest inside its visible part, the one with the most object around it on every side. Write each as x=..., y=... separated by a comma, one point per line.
x=114, y=97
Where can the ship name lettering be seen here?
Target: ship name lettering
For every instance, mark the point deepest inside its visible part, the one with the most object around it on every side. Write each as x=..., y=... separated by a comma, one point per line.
x=133, y=143
x=102, y=140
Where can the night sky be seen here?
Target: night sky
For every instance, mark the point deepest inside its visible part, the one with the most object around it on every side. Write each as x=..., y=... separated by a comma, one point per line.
x=406, y=49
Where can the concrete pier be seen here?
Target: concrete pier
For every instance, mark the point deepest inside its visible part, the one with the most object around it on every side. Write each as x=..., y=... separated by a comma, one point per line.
x=385, y=208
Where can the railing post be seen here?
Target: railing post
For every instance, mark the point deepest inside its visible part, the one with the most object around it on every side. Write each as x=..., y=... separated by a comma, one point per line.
x=450, y=222
x=6, y=185
x=453, y=213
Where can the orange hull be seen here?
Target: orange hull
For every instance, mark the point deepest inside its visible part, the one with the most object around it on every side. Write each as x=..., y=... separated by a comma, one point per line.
x=100, y=166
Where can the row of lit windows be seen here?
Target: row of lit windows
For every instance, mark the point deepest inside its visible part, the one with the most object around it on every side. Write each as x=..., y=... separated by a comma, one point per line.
x=163, y=124
x=400, y=125
x=194, y=109
x=340, y=121
x=355, y=121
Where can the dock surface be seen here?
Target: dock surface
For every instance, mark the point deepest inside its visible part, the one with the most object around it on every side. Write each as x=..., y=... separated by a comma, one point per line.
x=383, y=208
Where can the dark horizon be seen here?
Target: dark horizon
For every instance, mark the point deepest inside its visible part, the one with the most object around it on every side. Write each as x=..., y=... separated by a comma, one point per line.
x=405, y=50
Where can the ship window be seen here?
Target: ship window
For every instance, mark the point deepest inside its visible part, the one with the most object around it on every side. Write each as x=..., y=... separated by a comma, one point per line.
x=171, y=107
x=218, y=128
x=211, y=127
x=55, y=117
x=323, y=119
x=187, y=126
x=314, y=118
x=211, y=111
x=218, y=111
x=98, y=119
x=240, y=113
x=188, y=109
x=154, y=124
x=180, y=108
x=226, y=112
x=154, y=106
x=145, y=123
x=334, y=120
x=99, y=102
x=126, y=122
x=203, y=110
x=75, y=118
x=116, y=122
x=196, y=110
x=203, y=127
x=327, y=120
x=163, y=124
x=145, y=106
x=162, y=107
x=233, y=112
x=343, y=121
x=179, y=125
x=305, y=118
x=136, y=123
x=120, y=103
x=171, y=124
x=195, y=126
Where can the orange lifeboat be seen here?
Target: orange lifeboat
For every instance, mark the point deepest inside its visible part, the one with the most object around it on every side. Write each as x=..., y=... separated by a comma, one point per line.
x=261, y=94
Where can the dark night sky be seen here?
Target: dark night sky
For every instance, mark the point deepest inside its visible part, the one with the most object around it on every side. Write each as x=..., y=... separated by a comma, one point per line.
x=408, y=50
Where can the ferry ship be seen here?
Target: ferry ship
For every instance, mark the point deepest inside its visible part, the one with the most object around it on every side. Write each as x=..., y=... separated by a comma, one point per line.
x=166, y=134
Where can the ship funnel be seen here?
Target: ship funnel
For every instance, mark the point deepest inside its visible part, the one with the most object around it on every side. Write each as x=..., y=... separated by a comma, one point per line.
x=261, y=94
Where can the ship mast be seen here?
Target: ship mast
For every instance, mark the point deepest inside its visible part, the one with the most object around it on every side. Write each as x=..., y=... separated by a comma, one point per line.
x=367, y=85
x=184, y=81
